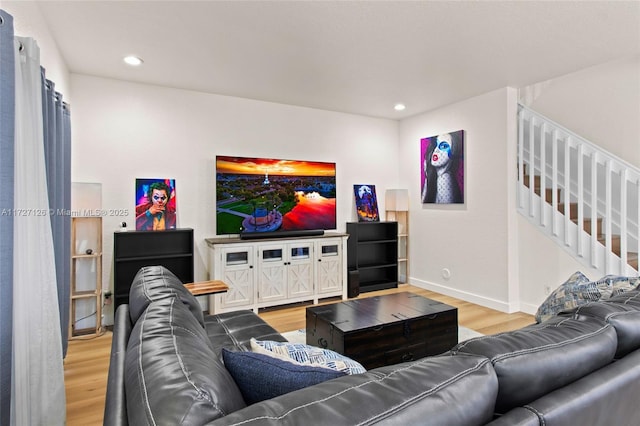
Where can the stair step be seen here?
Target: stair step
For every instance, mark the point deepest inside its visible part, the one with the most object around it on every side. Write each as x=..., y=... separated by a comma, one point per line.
x=536, y=188
x=549, y=194
x=615, y=243
x=573, y=210
x=632, y=257
x=536, y=181
x=587, y=226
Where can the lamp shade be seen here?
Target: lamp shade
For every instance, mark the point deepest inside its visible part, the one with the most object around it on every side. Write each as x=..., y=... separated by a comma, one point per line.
x=397, y=199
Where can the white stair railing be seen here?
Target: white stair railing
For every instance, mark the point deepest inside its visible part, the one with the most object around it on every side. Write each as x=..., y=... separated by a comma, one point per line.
x=581, y=196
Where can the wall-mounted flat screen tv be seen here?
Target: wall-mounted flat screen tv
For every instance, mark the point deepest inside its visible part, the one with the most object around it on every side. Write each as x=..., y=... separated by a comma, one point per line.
x=266, y=195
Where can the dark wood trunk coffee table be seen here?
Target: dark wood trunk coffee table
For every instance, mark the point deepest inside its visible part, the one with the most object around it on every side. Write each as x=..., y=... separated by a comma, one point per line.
x=384, y=330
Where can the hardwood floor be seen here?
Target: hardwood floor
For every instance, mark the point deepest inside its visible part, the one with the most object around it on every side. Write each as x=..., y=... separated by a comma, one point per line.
x=87, y=361
x=85, y=376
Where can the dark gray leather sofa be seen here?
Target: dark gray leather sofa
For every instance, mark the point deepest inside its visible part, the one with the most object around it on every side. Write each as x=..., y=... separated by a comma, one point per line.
x=578, y=368
x=606, y=396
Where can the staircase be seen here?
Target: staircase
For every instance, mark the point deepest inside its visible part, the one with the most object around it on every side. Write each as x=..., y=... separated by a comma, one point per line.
x=590, y=203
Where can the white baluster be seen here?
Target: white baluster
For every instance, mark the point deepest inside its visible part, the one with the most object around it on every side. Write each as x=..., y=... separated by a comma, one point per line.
x=554, y=182
x=531, y=165
x=607, y=216
x=543, y=169
x=594, y=209
x=638, y=218
x=567, y=189
x=623, y=220
x=521, y=156
x=580, y=200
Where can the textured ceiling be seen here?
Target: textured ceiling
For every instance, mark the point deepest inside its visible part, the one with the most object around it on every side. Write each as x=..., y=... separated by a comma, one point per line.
x=352, y=56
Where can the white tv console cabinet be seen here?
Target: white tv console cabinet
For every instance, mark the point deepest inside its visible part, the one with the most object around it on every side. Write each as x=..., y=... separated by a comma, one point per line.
x=277, y=271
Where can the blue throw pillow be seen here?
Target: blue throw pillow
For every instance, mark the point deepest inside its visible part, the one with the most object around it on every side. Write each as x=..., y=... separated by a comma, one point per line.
x=260, y=377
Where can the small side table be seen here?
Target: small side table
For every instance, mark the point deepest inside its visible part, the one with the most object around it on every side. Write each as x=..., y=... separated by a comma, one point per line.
x=207, y=287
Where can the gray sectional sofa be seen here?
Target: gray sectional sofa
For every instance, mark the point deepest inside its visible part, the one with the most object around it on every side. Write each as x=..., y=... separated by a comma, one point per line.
x=581, y=367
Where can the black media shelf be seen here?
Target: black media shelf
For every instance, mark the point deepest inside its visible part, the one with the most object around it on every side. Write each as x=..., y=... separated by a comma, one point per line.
x=143, y=258
x=372, y=250
x=377, y=266
x=172, y=248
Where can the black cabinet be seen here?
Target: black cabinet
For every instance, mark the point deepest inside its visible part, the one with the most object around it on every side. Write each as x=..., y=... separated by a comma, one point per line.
x=372, y=251
x=132, y=250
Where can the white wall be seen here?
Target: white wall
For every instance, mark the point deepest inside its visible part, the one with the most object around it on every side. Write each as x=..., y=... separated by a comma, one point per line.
x=536, y=249
x=600, y=103
x=28, y=22
x=475, y=242
x=123, y=131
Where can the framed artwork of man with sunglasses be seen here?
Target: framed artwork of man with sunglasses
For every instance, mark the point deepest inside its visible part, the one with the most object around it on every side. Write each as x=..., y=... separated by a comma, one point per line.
x=155, y=204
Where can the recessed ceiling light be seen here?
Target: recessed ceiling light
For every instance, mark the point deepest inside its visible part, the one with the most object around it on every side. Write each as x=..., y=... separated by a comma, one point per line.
x=399, y=107
x=134, y=61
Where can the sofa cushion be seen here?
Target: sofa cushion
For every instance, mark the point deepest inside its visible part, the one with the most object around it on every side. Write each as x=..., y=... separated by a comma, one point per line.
x=576, y=291
x=172, y=375
x=235, y=330
x=261, y=376
x=153, y=283
x=624, y=317
x=539, y=358
x=630, y=298
x=309, y=355
x=439, y=390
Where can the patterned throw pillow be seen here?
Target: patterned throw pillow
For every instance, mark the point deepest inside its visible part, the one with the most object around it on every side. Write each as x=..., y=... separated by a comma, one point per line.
x=612, y=285
x=576, y=291
x=260, y=377
x=307, y=355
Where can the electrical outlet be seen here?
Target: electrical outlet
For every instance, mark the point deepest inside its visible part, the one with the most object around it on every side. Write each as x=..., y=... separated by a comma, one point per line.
x=446, y=273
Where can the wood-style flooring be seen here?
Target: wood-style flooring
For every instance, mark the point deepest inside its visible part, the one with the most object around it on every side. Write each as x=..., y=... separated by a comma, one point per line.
x=87, y=361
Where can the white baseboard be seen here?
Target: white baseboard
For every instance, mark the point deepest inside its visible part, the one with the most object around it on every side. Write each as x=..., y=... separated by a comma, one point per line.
x=528, y=308
x=498, y=305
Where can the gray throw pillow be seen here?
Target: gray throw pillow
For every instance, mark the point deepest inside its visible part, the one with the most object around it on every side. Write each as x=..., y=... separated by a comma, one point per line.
x=576, y=291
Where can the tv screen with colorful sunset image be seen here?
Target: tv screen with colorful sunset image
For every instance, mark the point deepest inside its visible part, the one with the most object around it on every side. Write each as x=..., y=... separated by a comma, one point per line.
x=266, y=195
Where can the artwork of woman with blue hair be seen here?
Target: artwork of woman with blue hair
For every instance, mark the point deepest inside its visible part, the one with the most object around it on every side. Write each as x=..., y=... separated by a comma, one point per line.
x=442, y=167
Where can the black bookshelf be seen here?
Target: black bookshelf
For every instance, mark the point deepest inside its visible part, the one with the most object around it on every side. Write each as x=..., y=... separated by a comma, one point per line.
x=372, y=251
x=172, y=248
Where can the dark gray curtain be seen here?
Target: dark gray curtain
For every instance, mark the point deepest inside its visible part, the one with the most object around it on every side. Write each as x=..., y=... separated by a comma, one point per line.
x=57, y=152
x=7, y=122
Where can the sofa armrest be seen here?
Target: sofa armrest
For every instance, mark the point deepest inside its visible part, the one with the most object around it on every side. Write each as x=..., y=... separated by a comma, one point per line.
x=606, y=396
x=537, y=359
x=442, y=390
x=115, y=409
